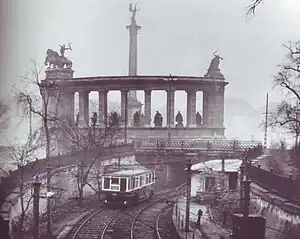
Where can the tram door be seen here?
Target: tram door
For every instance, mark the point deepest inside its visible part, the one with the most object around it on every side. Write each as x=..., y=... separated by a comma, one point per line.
x=123, y=185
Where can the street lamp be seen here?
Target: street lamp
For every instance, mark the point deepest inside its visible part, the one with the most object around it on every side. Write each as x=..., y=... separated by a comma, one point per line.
x=169, y=81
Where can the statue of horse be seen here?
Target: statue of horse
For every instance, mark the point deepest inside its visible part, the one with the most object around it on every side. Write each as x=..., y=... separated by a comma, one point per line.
x=54, y=60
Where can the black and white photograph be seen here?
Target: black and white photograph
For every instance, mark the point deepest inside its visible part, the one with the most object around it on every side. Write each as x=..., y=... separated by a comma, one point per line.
x=149, y=119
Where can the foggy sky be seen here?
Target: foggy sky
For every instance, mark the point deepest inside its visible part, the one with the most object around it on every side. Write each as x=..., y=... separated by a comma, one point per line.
x=177, y=37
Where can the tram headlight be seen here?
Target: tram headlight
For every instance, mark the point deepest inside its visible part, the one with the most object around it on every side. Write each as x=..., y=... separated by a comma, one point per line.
x=105, y=201
x=125, y=202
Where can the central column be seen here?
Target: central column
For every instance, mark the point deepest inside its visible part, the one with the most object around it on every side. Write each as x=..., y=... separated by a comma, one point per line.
x=170, y=107
x=124, y=105
x=84, y=108
x=133, y=104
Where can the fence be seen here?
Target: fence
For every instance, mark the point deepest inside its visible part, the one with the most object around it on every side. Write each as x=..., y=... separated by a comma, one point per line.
x=217, y=145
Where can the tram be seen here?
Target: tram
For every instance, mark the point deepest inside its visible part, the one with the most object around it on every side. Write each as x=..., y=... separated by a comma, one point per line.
x=127, y=186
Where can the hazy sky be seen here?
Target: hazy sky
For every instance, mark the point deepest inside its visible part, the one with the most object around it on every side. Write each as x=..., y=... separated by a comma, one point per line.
x=177, y=37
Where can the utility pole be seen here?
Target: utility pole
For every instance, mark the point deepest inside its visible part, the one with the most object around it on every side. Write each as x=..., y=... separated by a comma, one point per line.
x=246, y=206
x=126, y=117
x=242, y=169
x=223, y=173
x=266, y=123
x=49, y=231
x=36, y=200
x=188, y=197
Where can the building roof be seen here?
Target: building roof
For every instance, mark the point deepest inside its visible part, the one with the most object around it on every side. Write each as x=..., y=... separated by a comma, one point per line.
x=231, y=165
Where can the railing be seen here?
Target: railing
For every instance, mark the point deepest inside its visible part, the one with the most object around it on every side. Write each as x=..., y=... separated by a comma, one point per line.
x=211, y=145
x=39, y=166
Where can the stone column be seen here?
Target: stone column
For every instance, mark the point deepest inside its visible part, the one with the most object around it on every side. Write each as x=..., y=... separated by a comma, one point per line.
x=124, y=104
x=65, y=110
x=148, y=106
x=188, y=109
x=102, y=108
x=170, y=106
x=191, y=108
x=218, y=105
x=207, y=117
x=84, y=117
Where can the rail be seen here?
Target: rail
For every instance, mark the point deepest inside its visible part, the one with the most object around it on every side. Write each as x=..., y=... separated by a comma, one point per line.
x=211, y=145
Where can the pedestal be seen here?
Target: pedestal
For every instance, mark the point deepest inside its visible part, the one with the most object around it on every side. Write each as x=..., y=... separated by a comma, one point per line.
x=59, y=73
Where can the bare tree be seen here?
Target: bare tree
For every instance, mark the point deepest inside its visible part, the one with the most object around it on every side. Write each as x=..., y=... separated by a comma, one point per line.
x=92, y=142
x=3, y=115
x=43, y=104
x=286, y=116
x=23, y=155
x=253, y=6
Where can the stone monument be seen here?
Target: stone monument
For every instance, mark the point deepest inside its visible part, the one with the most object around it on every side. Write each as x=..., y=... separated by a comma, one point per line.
x=59, y=66
x=213, y=69
x=133, y=104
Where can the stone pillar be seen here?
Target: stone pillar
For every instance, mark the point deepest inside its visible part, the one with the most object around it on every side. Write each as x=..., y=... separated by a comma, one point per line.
x=191, y=108
x=188, y=109
x=84, y=117
x=213, y=106
x=218, y=105
x=148, y=106
x=102, y=108
x=207, y=114
x=66, y=106
x=170, y=106
x=124, y=104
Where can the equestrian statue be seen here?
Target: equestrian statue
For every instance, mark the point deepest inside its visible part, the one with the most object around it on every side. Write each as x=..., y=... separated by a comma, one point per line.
x=54, y=60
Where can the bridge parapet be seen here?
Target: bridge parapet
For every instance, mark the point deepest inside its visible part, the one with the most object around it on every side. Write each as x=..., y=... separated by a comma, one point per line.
x=194, y=145
x=11, y=182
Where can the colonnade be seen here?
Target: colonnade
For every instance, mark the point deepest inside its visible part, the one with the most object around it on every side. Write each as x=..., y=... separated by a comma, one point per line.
x=212, y=115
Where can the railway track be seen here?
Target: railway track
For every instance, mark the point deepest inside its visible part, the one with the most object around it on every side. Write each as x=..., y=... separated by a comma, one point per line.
x=164, y=226
x=92, y=225
x=129, y=223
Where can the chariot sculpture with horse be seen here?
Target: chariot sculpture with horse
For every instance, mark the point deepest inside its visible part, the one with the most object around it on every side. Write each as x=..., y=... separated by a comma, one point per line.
x=54, y=60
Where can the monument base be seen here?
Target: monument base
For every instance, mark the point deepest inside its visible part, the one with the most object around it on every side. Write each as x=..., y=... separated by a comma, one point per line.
x=59, y=73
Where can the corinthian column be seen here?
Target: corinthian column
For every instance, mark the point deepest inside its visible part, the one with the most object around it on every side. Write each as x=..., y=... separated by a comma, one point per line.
x=170, y=107
x=191, y=108
x=84, y=118
x=148, y=106
x=102, y=108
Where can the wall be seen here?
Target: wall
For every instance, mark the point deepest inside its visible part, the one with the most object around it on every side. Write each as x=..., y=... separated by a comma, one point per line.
x=281, y=223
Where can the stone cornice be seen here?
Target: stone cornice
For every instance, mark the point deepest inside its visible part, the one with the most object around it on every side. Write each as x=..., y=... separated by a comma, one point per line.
x=139, y=83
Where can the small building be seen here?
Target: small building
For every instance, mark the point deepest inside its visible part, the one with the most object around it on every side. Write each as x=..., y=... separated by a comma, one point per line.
x=208, y=178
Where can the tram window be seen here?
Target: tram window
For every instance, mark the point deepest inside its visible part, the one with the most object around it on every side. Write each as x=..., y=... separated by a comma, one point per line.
x=133, y=183
x=147, y=178
x=128, y=183
x=106, y=183
x=115, y=181
x=123, y=185
x=142, y=180
x=137, y=182
x=150, y=177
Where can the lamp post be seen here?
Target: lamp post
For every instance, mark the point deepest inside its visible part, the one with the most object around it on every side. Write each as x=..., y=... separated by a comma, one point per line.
x=169, y=81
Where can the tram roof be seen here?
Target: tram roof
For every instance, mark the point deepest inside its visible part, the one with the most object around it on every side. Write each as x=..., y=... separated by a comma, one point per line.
x=127, y=172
